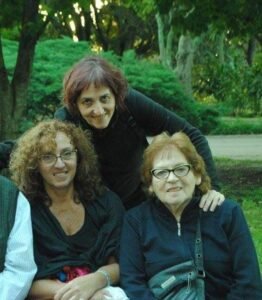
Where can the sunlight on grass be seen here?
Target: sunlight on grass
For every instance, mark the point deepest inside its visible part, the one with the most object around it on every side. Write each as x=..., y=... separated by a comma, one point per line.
x=253, y=212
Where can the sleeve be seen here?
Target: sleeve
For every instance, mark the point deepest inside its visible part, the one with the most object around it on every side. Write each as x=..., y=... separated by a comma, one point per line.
x=20, y=268
x=155, y=119
x=107, y=213
x=132, y=267
x=246, y=275
x=5, y=150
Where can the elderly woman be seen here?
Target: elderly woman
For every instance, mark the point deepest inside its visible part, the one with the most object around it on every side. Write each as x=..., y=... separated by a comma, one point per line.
x=76, y=220
x=161, y=232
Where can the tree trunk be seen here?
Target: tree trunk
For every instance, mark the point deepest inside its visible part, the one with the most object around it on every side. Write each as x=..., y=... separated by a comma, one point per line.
x=5, y=94
x=251, y=50
x=220, y=48
x=185, y=62
x=165, y=38
x=14, y=94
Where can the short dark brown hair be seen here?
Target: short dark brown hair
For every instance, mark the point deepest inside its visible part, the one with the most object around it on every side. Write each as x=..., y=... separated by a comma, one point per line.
x=25, y=159
x=93, y=70
x=181, y=142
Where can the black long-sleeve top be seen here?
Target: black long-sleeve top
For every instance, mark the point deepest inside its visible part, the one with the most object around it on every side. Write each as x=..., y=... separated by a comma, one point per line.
x=150, y=243
x=121, y=145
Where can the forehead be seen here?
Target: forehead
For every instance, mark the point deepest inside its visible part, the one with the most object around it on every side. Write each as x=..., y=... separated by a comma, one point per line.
x=169, y=155
x=93, y=89
x=54, y=141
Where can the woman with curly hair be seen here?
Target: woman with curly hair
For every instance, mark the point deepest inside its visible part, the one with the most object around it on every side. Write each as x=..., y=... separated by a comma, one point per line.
x=76, y=220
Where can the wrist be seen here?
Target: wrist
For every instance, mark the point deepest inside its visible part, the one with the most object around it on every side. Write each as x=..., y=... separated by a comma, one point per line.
x=106, y=276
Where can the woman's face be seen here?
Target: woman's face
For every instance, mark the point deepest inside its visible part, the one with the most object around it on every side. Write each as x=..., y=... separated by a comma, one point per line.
x=97, y=105
x=174, y=191
x=58, y=166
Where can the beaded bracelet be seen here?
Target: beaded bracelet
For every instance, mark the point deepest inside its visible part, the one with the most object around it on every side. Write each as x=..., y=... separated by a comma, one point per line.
x=108, y=280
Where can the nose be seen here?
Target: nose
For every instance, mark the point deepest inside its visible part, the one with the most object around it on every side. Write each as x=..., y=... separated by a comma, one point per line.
x=59, y=162
x=172, y=177
x=98, y=109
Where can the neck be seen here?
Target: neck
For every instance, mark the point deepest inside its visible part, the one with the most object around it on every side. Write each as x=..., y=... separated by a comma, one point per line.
x=61, y=196
x=177, y=209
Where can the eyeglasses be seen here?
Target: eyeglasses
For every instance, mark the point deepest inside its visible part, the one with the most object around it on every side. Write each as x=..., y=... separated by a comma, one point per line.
x=179, y=171
x=51, y=159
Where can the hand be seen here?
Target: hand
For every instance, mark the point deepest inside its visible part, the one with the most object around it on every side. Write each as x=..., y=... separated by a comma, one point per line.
x=211, y=200
x=101, y=295
x=80, y=288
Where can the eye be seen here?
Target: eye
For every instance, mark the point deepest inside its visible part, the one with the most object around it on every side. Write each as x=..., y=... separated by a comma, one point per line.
x=182, y=170
x=105, y=98
x=68, y=154
x=47, y=157
x=158, y=173
x=87, y=102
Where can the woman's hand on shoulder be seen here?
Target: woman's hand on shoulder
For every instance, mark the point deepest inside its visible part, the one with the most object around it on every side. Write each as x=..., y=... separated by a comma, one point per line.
x=211, y=200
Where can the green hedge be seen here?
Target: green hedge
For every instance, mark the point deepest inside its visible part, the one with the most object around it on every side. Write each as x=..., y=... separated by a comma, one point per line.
x=54, y=57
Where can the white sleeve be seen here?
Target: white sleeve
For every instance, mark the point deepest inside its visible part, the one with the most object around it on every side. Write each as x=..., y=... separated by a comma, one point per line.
x=20, y=267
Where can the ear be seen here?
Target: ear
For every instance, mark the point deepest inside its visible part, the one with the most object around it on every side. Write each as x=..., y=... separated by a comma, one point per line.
x=198, y=179
x=150, y=189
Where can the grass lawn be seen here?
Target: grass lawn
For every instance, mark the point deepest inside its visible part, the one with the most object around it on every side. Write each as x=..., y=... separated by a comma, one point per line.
x=237, y=125
x=242, y=181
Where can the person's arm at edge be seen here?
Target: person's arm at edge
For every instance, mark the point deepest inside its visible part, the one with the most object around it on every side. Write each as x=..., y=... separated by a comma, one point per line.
x=20, y=268
x=6, y=148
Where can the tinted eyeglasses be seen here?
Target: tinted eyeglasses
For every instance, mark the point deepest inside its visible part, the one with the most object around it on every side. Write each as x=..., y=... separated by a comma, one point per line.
x=179, y=171
x=51, y=159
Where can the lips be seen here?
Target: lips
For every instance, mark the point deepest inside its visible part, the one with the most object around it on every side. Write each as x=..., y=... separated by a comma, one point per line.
x=174, y=189
x=60, y=174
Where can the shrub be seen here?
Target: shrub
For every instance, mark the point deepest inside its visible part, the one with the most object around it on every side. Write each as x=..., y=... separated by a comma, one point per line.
x=54, y=57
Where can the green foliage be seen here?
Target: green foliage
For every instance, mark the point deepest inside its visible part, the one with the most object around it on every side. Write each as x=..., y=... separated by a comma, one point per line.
x=238, y=125
x=159, y=83
x=54, y=57
x=234, y=85
x=52, y=60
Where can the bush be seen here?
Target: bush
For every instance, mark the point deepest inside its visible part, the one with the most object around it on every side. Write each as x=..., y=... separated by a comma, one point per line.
x=54, y=57
x=238, y=125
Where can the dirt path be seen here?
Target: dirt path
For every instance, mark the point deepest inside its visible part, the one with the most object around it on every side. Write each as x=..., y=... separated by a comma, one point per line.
x=236, y=146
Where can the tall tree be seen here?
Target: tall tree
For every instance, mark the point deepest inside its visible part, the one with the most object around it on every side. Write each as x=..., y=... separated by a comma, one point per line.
x=13, y=91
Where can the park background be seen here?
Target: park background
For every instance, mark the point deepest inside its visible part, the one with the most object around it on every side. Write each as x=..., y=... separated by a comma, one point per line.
x=199, y=58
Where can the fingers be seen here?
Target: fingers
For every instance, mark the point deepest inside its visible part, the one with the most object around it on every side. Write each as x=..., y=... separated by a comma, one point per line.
x=211, y=200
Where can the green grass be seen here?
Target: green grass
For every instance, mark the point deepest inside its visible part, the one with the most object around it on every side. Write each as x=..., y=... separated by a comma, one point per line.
x=242, y=181
x=237, y=125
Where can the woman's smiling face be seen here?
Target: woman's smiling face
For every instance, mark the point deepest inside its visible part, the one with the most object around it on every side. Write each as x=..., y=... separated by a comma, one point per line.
x=61, y=173
x=174, y=191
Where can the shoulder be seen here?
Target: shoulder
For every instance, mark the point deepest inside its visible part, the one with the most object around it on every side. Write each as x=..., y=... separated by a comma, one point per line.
x=109, y=201
x=135, y=98
x=228, y=214
x=140, y=212
x=63, y=114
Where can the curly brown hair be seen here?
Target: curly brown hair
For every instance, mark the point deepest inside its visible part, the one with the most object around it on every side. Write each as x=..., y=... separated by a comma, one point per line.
x=25, y=159
x=181, y=142
x=93, y=70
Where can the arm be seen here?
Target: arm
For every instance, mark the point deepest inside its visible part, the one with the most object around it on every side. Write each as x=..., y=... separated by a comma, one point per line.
x=45, y=289
x=5, y=150
x=132, y=266
x=20, y=268
x=246, y=282
x=86, y=286
x=155, y=119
